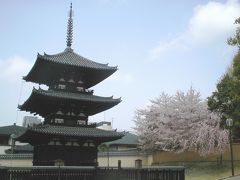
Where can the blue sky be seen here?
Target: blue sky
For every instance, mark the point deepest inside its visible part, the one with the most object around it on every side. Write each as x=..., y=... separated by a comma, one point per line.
x=158, y=45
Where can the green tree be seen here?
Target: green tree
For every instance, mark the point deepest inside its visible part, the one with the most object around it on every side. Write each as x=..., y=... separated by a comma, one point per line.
x=226, y=98
x=221, y=99
x=235, y=41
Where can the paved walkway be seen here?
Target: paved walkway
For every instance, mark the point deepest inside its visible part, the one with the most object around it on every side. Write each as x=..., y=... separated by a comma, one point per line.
x=237, y=177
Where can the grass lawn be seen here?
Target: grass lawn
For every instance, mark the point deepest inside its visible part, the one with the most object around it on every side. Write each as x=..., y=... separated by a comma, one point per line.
x=209, y=170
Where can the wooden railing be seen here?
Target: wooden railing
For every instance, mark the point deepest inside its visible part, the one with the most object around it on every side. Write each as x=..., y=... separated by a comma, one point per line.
x=91, y=173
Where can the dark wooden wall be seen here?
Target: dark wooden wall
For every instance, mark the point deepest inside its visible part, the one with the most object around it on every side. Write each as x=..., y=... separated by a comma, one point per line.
x=47, y=155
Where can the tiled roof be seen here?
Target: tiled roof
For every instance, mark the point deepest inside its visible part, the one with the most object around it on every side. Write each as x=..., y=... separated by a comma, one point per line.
x=12, y=129
x=75, y=96
x=44, y=102
x=74, y=131
x=50, y=68
x=127, y=139
x=68, y=57
x=67, y=131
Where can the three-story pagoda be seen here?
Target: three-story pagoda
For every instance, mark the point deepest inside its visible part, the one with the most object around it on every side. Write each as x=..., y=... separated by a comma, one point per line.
x=65, y=136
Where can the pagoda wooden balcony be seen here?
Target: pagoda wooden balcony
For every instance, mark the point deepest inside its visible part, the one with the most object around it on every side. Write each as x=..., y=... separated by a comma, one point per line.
x=92, y=173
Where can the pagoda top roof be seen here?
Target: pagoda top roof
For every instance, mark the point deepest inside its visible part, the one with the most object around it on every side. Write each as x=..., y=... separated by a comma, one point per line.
x=69, y=57
x=67, y=131
x=50, y=68
x=43, y=102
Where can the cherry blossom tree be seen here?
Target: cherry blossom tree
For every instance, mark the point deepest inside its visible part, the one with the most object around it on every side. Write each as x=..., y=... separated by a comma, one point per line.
x=180, y=123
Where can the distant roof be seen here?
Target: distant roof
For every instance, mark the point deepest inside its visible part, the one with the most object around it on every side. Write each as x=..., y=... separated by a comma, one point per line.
x=49, y=68
x=12, y=129
x=66, y=131
x=50, y=101
x=127, y=139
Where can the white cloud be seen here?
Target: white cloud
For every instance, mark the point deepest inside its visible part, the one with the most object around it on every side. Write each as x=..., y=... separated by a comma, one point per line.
x=213, y=20
x=12, y=69
x=165, y=48
x=209, y=23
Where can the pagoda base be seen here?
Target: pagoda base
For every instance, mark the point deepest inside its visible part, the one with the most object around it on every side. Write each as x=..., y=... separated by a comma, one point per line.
x=62, y=155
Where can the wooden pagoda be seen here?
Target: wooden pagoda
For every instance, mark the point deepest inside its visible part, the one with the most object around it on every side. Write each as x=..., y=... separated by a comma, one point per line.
x=65, y=137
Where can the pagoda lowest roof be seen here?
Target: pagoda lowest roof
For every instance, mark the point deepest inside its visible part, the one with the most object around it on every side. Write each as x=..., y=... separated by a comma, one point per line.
x=66, y=131
x=47, y=66
x=43, y=101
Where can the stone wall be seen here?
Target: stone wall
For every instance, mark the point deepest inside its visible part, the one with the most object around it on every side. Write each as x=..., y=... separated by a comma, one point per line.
x=165, y=157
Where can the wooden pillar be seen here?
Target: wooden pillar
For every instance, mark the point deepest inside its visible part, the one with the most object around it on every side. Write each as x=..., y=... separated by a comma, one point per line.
x=119, y=164
x=138, y=166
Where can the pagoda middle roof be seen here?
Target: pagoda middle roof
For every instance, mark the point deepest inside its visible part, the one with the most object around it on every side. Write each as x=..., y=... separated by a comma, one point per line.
x=47, y=67
x=67, y=131
x=44, y=102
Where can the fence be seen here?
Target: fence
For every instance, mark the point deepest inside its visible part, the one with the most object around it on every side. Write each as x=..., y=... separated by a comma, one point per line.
x=91, y=173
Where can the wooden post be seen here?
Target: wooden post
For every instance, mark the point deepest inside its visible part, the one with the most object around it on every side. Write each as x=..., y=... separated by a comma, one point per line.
x=119, y=169
x=138, y=166
x=108, y=156
x=231, y=151
x=119, y=164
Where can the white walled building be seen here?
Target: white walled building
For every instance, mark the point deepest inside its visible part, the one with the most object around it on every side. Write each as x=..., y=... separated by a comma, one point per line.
x=30, y=121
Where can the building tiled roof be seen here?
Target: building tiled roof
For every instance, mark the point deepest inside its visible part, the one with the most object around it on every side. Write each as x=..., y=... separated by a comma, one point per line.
x=68, y=57
x=12, y=129
x=67, y=131
x=127, y=139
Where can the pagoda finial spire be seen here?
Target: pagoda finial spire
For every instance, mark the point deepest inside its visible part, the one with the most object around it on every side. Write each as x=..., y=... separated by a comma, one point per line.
x=70, y=28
